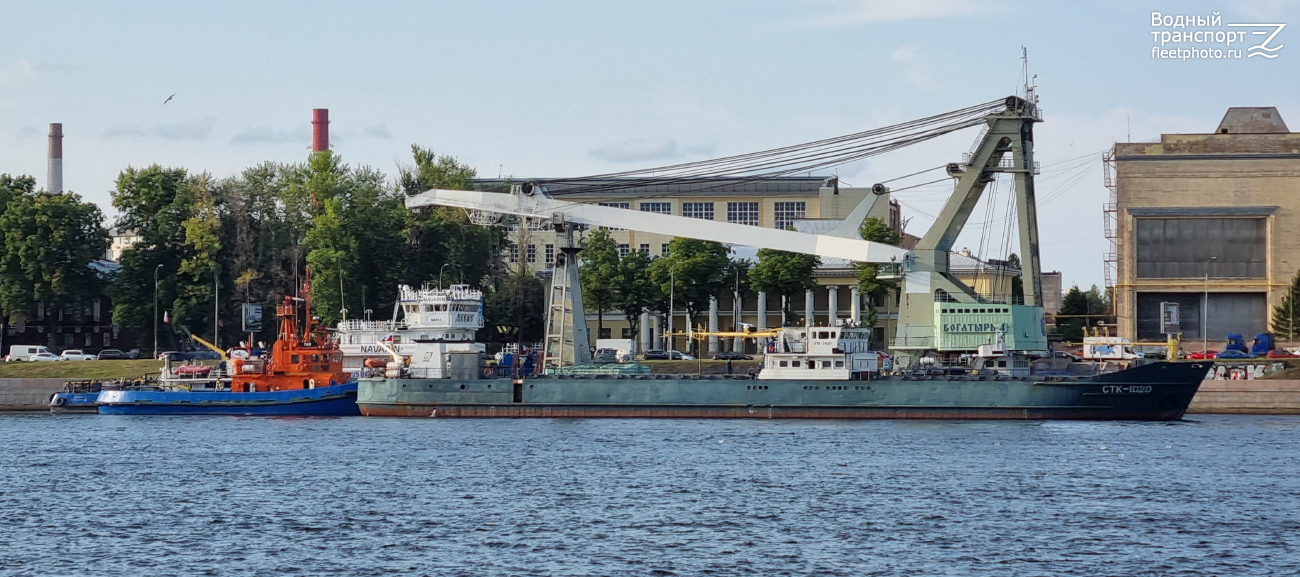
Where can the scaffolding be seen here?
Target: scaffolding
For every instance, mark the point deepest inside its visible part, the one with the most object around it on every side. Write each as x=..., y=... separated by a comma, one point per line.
x=1110, y=220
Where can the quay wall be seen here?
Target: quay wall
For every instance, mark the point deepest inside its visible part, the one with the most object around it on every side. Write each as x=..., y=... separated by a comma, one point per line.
x=28, y=394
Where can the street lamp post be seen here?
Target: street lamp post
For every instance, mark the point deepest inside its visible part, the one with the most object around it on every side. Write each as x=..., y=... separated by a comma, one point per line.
x=672, y=286
x=444, y=267
x=1205, y=309
x=155, y=309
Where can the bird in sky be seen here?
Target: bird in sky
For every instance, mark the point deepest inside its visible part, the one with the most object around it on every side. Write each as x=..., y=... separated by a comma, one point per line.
x=169, y=98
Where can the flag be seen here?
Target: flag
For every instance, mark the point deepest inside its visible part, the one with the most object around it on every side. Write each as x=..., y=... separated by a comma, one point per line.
x=164, y=317
x=387, y=339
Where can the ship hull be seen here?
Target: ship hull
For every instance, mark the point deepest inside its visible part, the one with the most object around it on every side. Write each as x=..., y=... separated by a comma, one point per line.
x=65, y=402
x=1155, y=392
x=336, y=400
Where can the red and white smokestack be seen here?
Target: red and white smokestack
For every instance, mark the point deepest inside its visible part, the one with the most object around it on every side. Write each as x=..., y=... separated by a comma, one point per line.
x=54, y=178
x=320, y=129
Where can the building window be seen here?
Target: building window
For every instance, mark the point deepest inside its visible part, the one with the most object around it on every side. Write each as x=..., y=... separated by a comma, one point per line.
x=530, y=254
x=514, y=253
x=702, y=210
x=743, y=213
x=657, y=207
x=785, y=213
x=645, y=248
x=550, y=255
x=1245, y=313
x=108, y=339
x=623, y=249
x=1197, y=247
x=663, y=249
x=605, y=333
x=626, y=333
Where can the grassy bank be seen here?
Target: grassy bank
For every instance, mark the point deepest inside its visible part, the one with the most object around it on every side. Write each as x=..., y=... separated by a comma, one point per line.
x=78, y=369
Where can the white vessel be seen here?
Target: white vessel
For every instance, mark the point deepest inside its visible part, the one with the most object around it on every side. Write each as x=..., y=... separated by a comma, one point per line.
x=449, y=317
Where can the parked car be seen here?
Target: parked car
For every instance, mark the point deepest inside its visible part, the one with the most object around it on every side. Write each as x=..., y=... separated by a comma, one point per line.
x=25, y=352
x=732, y=356
x=1202, y=355
x=46, y=356
x=1067, y=355
x=680, y=356
x=1282, y=354
x=605, y=357
x=655, y=355
x=111, y=354
x=76, y=355
x=134, y=354
x=1230, y=354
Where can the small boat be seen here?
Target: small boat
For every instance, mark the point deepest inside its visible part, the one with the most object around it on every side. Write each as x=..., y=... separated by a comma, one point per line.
x=302, y=376
x=76, y=397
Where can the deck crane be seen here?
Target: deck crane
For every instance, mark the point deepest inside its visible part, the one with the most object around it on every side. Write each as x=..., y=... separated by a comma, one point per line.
x=939, y=316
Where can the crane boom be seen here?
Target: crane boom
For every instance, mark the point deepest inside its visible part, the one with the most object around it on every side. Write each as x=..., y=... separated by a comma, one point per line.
x=539, y=206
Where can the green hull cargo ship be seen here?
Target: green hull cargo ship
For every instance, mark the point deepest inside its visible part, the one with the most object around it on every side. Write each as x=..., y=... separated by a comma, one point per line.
x=956, y=354
x=820, y=383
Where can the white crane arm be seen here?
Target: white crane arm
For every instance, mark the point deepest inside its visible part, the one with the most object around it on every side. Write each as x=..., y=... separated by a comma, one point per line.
x=539, y=206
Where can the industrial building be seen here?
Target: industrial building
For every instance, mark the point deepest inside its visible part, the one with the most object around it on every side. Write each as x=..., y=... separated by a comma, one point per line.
x=1207, y=221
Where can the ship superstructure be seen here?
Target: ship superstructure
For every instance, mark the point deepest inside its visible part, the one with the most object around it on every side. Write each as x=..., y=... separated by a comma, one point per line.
x=449, y=317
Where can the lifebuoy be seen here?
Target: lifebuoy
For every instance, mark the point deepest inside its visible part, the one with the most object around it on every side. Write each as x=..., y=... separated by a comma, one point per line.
x=311, y=384
x=57, y=401
x=487, y=373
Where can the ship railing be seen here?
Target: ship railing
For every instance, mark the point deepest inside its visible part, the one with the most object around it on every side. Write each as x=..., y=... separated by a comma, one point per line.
x=364, y=325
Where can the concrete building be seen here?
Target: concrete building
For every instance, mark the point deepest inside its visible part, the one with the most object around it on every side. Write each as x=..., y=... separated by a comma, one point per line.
x=120, y=240
x=1208, y=221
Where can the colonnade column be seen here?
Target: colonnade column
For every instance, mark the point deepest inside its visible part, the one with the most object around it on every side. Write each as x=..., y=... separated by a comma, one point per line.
x=832, y=305
x=855, y=305
x=713, y=325
x=808, y=297
x=762, y=321
x=644, y=343
x=738, y=343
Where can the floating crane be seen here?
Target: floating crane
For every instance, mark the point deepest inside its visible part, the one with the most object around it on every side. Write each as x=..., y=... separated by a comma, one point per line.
x=940, y=316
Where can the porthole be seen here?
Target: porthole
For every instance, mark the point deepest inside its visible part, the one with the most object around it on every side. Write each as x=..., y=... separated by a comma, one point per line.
x=462, y=386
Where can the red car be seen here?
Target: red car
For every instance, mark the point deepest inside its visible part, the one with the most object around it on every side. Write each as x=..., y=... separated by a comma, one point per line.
x=1282, y=354
x=1203, y=355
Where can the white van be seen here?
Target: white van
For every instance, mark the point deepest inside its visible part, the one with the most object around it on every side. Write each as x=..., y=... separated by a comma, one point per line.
x=26, y=352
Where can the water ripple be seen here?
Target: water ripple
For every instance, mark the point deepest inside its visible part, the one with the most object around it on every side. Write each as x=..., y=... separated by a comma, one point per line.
x=242, y=496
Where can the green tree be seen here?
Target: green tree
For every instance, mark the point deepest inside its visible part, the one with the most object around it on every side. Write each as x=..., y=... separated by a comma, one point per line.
x=440, y=235
x=691, y=273
x=1285, y=323
x=49, y=242
x=154, y=202
x=517, y=300
x=875, y=230
x=1075, y=302
x=635, y=292
x=202, y=240
x=784, y=274
x=599, y=275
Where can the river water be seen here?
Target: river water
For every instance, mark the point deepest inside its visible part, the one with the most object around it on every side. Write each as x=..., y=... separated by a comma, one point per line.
x=101, y=495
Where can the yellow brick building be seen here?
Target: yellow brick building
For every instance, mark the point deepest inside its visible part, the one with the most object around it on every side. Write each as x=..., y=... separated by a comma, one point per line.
x=1208, y=221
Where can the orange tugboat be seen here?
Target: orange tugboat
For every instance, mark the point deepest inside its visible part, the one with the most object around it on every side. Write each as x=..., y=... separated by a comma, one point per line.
x=305, y=360
x=302, y=375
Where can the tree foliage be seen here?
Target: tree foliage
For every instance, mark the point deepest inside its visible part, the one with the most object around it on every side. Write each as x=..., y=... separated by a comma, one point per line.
x=1080, y=302
x=875, y=230
x=784, y=274
x=599, y=274
x=1285, y=323
x=49, y=242
x=692, y=272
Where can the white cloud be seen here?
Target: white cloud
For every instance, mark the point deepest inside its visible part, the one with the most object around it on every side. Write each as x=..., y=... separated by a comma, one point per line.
x=849, y=12
x=265, y=134
x=17, y=70
x=637, y=149
x=197, y=129
x=916, y=73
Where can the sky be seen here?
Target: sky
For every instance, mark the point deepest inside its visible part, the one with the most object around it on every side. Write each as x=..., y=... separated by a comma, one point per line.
x=563, y=88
